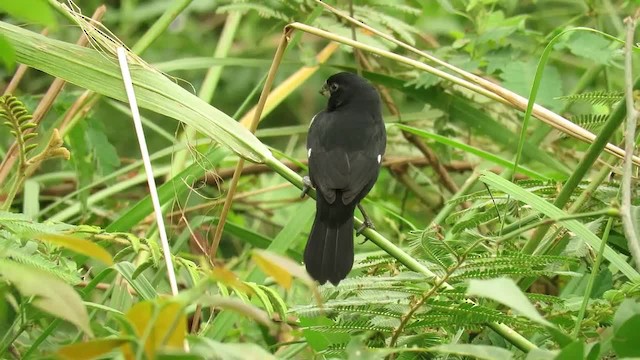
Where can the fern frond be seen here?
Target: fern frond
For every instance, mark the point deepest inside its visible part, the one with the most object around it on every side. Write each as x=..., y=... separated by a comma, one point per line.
x=595, y=97
x=348, y=327
x=261, y=9
x=432, y=248
x=590, y=121
x=375, y=18
x=396, y=5
x=18, y=119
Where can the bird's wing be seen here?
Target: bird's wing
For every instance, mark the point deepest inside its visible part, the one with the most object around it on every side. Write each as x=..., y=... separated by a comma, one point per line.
x=335, y=168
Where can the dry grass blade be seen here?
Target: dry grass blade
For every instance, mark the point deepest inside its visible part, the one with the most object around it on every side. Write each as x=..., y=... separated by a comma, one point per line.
x=477, y=84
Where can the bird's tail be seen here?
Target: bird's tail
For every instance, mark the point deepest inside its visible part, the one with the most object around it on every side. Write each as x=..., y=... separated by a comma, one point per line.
x=329, y=251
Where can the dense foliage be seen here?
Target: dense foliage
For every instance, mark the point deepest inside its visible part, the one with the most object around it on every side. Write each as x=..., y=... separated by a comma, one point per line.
x=503, y=230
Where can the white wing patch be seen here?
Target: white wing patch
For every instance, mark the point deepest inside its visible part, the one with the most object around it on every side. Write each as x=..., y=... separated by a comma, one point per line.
x=379, y=156
x=309, y=153
x=313, y=118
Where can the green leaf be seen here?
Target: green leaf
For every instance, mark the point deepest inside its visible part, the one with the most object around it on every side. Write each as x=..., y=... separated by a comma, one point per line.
x=106, y=155
x=626, y=324
x=8, y=312
x=37, y=11
x=477, y=351
x=573, y=351
x=506, y=292
x=625, y=341
x=590, y=46
x=553, y=212
x=76, y=244
x=90, y=349
x=51, y=294
x=540, y=354
x=518, y=76
x=7, y=54
x=31, y=205
x=320, y=340
x=142, y=286
x=635, y=223
x=82, y=161
x=462, y=112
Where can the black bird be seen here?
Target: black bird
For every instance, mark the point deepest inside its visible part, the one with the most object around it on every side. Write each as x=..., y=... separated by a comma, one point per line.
x=345, y=146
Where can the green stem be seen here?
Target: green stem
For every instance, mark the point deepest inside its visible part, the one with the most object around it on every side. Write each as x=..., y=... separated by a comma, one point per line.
x=158, y=27
x=10, y=337
x=592, y=279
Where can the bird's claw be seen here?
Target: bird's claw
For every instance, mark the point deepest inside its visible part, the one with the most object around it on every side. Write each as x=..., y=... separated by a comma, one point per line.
x=365, y=224
x=306, y=186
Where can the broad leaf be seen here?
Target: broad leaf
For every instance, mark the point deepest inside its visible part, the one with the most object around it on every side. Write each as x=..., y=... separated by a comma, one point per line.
x=280, y=268
x=506, y=292
x=163, y=324
x=51, y=294
x=90, y=349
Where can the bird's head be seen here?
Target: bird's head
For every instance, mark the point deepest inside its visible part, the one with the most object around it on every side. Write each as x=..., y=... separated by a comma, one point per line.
x=345, y=88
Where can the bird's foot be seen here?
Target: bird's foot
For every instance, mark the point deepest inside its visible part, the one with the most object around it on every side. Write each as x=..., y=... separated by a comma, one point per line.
x=365, y=224
x=306, y=186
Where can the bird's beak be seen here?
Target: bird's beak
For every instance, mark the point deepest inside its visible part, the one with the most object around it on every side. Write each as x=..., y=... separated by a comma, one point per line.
x=325, y=90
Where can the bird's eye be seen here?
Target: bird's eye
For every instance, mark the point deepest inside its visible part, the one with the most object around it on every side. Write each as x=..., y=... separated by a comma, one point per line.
x=333, y=87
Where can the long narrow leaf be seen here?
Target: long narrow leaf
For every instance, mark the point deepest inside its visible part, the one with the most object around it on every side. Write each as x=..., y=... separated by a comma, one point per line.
x=470, y=149
x=98, y=72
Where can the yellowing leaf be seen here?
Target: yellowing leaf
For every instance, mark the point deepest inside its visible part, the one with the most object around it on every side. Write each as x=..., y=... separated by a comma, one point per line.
x=280, y=268
x=90, y=349
x=51, y=294
x=79, y=245
x=167, y=323
x=227, y=277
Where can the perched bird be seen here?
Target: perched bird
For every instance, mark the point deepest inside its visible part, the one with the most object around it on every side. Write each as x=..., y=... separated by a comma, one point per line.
x=345, y=145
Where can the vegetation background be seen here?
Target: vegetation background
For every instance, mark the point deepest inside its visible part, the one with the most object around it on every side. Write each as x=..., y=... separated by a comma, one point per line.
x=503, y=230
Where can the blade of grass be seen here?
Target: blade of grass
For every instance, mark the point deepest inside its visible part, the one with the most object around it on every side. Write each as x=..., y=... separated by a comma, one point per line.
x=94, y=71
x=470, y=149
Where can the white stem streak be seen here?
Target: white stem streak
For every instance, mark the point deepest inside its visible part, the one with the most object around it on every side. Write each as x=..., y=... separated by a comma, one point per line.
x=628, y=222
x=135, y=113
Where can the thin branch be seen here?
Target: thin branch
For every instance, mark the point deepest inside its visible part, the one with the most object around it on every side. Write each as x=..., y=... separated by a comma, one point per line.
x=277, y=58
x=428, y=153
x=628, y=222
